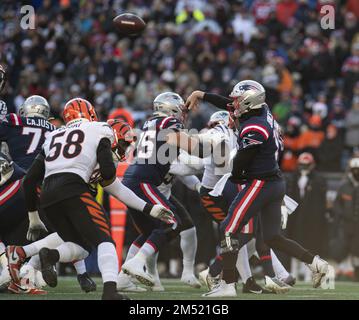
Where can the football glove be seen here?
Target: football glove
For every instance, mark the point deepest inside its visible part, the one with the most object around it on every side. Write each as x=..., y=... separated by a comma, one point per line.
x=37, y=229
x=163, y=214
x=284, y=216
x=6, y=170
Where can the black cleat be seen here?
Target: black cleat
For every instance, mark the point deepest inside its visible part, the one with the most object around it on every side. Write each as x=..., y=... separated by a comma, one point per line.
x=114, y=296
x=251, y=286
x=290, y=280
x=86, y=283
x=48, y=267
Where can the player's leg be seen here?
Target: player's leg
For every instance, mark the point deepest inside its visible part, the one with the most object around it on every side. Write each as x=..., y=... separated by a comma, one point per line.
x=245, y=206
x=83, y=225
x=125, y=282
x=159, y=233
x=188, y=244
x=271, y=218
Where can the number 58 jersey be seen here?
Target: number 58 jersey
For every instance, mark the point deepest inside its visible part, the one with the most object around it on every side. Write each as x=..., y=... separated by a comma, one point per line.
x=73, y=148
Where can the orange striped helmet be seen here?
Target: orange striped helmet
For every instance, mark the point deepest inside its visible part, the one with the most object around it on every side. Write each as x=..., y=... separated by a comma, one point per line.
x=124, y=137
x=79, y=108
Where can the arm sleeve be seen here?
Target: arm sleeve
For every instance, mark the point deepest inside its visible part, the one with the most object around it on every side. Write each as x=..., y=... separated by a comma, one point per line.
x=217, y=100
x=104, y=159
x=190, y=181
x=33, y=178
x=128, y=197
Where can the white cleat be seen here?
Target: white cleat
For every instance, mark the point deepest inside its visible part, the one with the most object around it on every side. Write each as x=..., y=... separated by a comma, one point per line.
x=30, y=277
x=319, y=268
x=222, y=290
x=191, y=280
x=125, y=284
x=275, y=285
x=158, y=287
x=136, y=268
x=206, y=279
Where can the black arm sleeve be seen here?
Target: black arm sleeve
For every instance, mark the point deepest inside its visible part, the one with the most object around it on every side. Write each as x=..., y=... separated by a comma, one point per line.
x=104, y=159
x=217, y=100
x=33, y=178
x=242, y=160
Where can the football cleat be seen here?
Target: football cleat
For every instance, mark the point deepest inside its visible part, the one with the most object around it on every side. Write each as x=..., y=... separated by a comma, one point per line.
x=31, y=277
x=275, y=285
x=125, y=284
x=251, y=286
x=319, y=268
x=136, y=268
x=191, y=280
x=48, y=269
x=16, y=257
x=290, y=280
x=14, y=288
x=86, y=283
x=207, y=280
x=222, y=290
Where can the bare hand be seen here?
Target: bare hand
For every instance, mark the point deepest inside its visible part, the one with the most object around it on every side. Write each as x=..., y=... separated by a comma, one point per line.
x=192, y=101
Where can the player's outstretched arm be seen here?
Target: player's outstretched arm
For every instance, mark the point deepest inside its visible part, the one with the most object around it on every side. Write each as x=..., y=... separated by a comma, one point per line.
x=217, y=100
x=130, y=199
x=33, y=178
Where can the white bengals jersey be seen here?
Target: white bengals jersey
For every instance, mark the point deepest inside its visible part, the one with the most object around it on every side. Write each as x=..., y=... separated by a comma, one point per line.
x=212, y=173
x=73, y=148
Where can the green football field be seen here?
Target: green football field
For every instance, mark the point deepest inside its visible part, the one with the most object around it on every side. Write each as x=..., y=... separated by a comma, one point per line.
x=68, y=289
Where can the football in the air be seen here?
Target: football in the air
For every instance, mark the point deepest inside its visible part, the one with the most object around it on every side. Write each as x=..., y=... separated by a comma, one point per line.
x=129, y=24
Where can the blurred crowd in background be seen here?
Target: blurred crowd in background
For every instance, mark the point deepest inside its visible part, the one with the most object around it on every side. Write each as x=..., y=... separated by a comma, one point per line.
x=311, y=75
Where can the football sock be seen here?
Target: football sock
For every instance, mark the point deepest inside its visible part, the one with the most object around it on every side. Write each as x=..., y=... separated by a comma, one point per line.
x=188, y=245
x=135, y=247
x=146, y=250
x=265, y=257
x=52, y=241
x=69, y=251
x=152, y=264
x=242, y=264
x=230, y=273
x=107, y=262
x=266, y=263
x=291, y=248
x=80, y=266
x=280, y=271
x=35, y=262
x=216, y=267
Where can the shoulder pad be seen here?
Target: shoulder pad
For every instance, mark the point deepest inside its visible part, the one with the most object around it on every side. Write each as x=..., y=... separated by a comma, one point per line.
x=252, y=129
x=14, y=120
x=105, y=131
x=170, y=123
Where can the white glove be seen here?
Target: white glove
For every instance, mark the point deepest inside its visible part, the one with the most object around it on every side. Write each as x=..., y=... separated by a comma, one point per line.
x=6, y=171
x=163, y=214
x=284, y=219
x=37, y=228
x=228, y=237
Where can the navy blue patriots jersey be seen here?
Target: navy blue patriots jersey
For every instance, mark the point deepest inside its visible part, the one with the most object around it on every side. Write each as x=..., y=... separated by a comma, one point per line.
x=153, y=155
x=25, y=137
x=12, y=186
x=261, y=131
